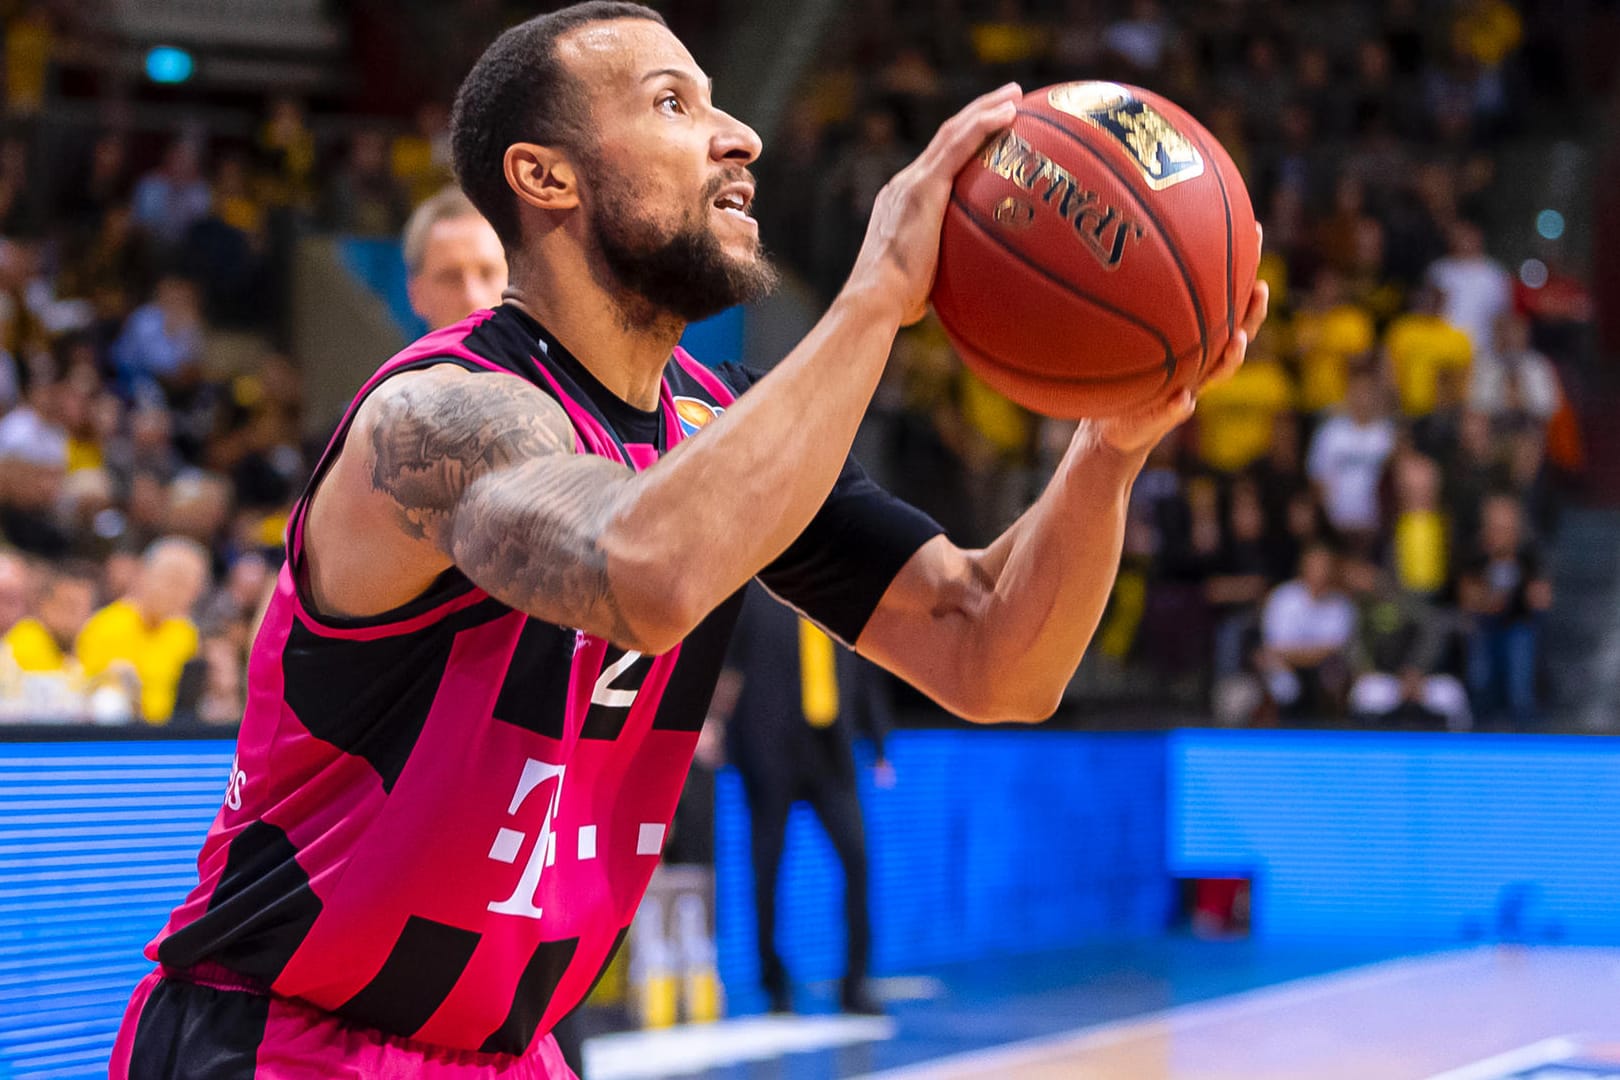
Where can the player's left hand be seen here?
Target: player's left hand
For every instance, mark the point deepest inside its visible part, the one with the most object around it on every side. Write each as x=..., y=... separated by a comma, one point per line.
x=1142, y=430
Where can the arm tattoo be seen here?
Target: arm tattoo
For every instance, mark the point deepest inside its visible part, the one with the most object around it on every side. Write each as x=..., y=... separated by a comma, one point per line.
x=484, y=467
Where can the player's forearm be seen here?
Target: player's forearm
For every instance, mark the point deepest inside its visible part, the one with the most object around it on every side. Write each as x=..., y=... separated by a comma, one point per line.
x=716, y=510
x=1052, y=573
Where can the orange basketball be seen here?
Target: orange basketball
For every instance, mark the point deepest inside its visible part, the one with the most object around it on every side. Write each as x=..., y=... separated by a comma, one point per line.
x=1098, y=254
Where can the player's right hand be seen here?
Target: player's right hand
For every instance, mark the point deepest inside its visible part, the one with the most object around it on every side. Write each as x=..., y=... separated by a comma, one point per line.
x=901, y=250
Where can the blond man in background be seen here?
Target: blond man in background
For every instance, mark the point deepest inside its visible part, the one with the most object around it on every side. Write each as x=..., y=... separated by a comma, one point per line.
x=149, y=631
x=454, y=264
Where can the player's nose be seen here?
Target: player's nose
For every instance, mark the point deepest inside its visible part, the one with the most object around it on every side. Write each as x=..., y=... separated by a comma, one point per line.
x=734, y=141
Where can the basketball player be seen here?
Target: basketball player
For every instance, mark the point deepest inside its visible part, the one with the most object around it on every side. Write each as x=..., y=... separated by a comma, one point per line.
x=511, y=580
x=454, y=264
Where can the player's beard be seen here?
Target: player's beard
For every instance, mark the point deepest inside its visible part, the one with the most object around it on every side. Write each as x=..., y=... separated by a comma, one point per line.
x=682, y=272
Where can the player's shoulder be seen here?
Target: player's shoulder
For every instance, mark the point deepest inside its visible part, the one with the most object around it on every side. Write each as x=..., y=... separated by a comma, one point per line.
x=451, y=398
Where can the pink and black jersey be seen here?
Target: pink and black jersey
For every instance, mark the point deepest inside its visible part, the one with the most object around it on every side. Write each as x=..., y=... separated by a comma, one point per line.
x=441, y=820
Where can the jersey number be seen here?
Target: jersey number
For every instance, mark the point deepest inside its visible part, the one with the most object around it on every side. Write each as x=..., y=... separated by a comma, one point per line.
x=615, y=692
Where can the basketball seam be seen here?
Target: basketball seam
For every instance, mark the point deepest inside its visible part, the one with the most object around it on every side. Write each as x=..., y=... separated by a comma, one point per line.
x=1038, y=378
x=1168, y=365
x=1231, y=264
x=1169, y=240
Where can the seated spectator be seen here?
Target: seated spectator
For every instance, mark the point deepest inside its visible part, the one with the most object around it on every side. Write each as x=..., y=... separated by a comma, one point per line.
x=454, y=262
x=220, y=698
x=1178, y=623
x=113, y=267
x=1516, y=377
x=1306, y=630
x=236, y=204
x=363, y=197
x=147, y=446
x=1420, y=543
x=1245, y=570
x=43, y=643
x=1237, y=419
x=1437, y=433
x=1527, y=476
x=223, y=251
x=162, y=340
x=1399, y=643
x=1477, y=289
x=99, y=181
x=1420, y=346
x=1503, y=586
x=33, y=467
x=286, y=149
x=1473, y=470
x=230, y=610
x=1330, y=331
x=149, y=632
x=1347, y=456
x=420, y=158
x=199, y=506
x=15, y=591
x=1139, y=39
x=173, y=197
x=34, y=293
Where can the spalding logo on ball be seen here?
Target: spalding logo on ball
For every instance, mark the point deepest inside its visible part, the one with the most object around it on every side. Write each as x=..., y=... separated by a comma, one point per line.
x=1098, y=254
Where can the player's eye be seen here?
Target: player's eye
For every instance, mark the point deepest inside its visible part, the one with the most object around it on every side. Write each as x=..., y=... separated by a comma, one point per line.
x=670, y=103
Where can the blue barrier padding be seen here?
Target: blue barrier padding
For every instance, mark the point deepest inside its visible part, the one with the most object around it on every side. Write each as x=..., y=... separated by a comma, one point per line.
x=1443, y=838
x=991, y=842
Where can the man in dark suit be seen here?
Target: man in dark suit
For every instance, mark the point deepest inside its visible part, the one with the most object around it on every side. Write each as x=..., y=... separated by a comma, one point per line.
x=794, y=700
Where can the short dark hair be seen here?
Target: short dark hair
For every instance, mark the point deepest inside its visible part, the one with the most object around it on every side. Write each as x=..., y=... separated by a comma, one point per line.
x=519, y=91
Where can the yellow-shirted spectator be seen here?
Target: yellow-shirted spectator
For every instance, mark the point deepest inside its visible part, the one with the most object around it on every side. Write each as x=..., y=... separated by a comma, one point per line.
x=83, y=453
x=1488, y=30
x=420, y=159
x=1008, y=42
x=43, y=643
x=1329, y=332
x=1003, y=426
x=1422, y=347
x=149, y=631
x=235, y=201
x=1237, y=419
x=29, y=48
x=288, y=148
x=1422, y=536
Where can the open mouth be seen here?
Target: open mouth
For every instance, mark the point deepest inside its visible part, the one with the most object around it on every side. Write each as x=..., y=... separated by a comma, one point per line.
x=734, y=203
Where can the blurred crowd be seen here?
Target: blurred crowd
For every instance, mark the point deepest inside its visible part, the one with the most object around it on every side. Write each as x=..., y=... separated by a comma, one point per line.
x=1358, y=526
x=152, y=435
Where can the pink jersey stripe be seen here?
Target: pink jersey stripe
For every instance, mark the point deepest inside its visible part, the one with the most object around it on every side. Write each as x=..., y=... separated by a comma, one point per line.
x=313, y=622
x=586, y=429
x=710, y=381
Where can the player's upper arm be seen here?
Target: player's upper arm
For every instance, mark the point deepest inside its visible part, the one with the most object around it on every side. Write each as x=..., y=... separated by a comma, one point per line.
x=483, y=468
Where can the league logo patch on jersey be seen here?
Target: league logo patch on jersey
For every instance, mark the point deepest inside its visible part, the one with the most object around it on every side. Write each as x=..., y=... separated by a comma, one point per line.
x=694, y=414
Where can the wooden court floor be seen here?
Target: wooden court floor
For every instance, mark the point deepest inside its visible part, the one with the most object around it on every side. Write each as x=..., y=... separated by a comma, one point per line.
x=1480, y=1014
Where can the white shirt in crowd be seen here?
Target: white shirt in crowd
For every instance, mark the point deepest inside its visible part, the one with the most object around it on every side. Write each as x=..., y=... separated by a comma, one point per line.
x=1347, y=460
x=1539, y=392
x=26, y=436
x=1478, y=291
x=1294, y=619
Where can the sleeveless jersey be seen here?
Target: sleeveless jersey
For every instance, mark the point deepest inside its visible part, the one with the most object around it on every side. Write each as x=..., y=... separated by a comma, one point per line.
x=440, y=821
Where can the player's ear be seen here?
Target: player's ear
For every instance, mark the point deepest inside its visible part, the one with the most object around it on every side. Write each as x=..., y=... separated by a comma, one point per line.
x=542, y=176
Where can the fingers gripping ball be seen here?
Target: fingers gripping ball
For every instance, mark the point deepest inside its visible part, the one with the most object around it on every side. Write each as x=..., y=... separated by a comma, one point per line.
x=1098, y=255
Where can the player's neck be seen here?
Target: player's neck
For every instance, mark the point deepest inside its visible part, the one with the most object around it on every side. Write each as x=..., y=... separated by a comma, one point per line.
x=625, y=350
